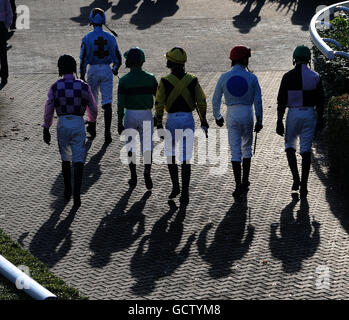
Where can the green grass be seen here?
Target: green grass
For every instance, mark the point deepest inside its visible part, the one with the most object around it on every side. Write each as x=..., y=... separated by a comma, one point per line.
x=13, y=252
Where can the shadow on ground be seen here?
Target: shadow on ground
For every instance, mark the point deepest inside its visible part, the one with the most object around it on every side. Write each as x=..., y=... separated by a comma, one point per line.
x=152, y=12
x=149, y=13
x=301, y=12
x=53, y=240
x=118, y=230
x=124, y=7
x=230, y=243
x=298, y=241
x=92, y=169
x=82, y=19
x=157, y=256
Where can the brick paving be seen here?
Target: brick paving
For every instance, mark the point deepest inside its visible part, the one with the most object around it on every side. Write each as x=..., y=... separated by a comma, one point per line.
x=133, y=244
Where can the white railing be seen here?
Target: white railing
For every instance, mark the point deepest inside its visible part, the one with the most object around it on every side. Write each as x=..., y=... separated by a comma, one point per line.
x=321, y=19
x=23, y=281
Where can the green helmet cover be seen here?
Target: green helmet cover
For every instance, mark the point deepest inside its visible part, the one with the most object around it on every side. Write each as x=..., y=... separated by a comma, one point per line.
x=136, y=55
x=302, y=53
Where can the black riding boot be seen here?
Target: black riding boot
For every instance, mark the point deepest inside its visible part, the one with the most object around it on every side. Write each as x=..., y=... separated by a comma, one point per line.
x=173, y=170
x=246, y=165
x=78, y=172
x=108, y=114
x=292, y=162
x=237, y=176
x=306, y=161
x=186, y=172
x=66, y=170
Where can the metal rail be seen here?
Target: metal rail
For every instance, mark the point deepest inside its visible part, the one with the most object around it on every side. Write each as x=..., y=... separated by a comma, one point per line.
x=319, y=19
x=23, y=281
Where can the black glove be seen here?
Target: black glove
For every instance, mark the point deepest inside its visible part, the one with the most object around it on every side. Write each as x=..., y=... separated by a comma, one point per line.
x=121, y=128
x=280, y=129
x=91, y=129
x=205, y=126
x=258, y=127
x=47, y=136
x=220, y=122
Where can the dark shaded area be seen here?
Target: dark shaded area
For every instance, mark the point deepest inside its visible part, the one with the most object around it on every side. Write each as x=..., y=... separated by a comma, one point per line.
x=118, y=229
x=52, y=241
x=22, y=237
x=302, y=12
x=152, y=12
x=85, y=11
x=124, y=7
x=149, y=13
x=249, y=17
x=229, y=244
x=336, y=195
x=157, y=256
x=92, y=169
x=298, y=241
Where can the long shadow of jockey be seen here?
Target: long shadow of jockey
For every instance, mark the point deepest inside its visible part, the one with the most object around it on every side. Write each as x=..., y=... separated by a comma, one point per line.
x=229, y=243
x=305, y=11
x=156, y=256
x=54, y=238
x=297, y=241
x=124, y=7
x=118, y=230
x=248, y=18
x=85, y=11
x=92, y=169
x=152, y=12
x=302, y=12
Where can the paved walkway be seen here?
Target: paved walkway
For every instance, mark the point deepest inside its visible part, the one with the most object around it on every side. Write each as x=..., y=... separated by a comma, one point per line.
x=129, y=244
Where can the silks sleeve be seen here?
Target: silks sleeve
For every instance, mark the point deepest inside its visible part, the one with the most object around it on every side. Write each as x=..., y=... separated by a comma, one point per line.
x=217, y=99
x=160, y=102
x=49, y=110
x=121, y=101
x=201, y=101
x=258, y=103
x=282, y=98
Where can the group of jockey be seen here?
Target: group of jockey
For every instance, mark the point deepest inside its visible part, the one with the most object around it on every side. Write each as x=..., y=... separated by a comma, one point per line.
x=179, y=94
